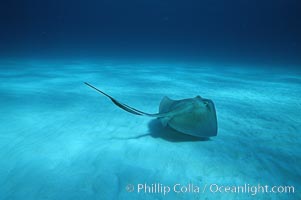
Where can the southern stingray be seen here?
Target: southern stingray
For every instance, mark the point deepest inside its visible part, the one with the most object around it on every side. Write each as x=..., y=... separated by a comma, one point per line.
x=193, y=116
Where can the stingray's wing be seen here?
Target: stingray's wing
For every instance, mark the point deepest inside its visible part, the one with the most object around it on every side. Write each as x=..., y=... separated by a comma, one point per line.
x=199, y=120
x=165, y=105
x=122, y=105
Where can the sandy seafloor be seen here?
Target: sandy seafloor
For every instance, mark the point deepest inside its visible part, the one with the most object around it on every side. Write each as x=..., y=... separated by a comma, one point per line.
x=61, y=140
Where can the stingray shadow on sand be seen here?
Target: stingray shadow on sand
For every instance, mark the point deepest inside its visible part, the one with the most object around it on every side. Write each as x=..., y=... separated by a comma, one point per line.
x=166, y=133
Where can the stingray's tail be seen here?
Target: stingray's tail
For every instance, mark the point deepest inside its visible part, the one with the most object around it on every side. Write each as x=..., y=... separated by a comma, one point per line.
x=122, y=105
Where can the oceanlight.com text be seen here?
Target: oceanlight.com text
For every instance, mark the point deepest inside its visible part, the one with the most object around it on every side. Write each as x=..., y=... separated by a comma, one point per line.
x=251, y=189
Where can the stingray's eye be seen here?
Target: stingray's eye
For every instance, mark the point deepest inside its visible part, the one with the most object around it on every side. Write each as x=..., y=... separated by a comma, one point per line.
x=207, y=106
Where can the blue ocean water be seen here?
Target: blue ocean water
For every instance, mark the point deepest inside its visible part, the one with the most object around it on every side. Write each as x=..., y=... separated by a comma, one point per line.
x=61, y=140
